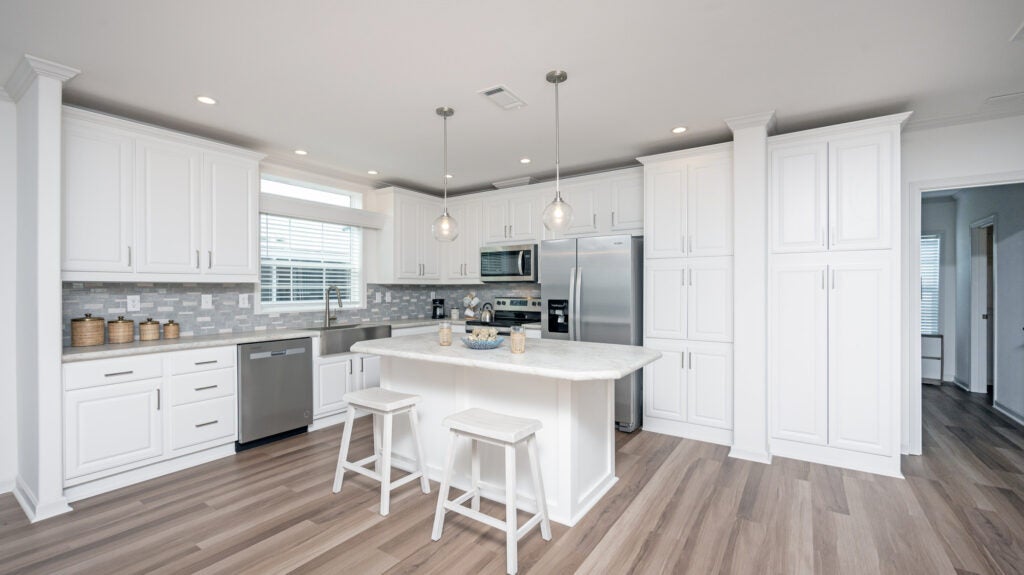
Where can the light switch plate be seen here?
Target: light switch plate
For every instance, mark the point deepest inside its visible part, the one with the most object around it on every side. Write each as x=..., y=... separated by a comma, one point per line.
x=134, y=303
x=243, y=300
x=207, y=301
x=387, y=296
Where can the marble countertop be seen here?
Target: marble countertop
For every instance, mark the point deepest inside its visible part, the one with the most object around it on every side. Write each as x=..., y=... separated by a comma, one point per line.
x=572, y=360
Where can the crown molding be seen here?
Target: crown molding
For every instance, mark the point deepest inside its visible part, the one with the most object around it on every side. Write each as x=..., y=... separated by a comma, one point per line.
x=762, y=119
x=4, y=97
x=30, y=68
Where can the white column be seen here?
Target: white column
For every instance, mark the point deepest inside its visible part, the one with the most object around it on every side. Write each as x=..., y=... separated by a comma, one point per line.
x=36, y=87
x=750, y=260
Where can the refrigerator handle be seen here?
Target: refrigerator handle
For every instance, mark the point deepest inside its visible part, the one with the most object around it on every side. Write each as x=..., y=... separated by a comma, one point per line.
x=572, y=304
x=579, y=303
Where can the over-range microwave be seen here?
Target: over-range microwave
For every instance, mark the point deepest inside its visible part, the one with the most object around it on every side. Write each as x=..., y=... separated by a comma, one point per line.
x=508, y=263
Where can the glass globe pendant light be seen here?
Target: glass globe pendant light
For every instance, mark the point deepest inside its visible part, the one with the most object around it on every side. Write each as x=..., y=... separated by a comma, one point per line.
x=445, y=228
x=558, y=214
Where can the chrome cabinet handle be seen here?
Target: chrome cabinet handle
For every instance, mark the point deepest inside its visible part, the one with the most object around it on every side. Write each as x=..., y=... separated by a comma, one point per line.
x=205, y=387
x=208, y=362
x=362, y=364
x=158, y=400
x=822, y=279
x=117, y=373
x=129, y=256
x=833, y=279
x=209, y=259
x=197, y=259
x=689, y=274
x=613, y=218
x=207, y=423
x=350, y=362
x=690, y=353
x=682, y=361
x=595, y=219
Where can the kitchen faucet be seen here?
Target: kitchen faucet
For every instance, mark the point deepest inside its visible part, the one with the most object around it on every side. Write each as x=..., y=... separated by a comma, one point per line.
x=327, y=304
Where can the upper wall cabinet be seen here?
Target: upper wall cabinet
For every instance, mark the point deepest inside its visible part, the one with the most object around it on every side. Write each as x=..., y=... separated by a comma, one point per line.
x=602, y=204
x=462, y=256
x=146, y=204
x=688, y=203
x=408, y=252
x=832, y=192
x=512, y=217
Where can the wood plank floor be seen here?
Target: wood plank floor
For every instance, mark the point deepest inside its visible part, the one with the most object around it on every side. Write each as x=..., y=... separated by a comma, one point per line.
x=680, y=507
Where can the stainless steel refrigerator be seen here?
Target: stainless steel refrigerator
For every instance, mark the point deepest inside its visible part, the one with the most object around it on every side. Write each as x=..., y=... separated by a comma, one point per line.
x=592, y=290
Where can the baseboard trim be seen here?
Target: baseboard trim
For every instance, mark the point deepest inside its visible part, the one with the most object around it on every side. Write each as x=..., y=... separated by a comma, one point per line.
x=755, y=456
x=1009, y=413
x=34, y=510
x=838, y=457
x=6, y=485
x=961, y=384
x=689, y=430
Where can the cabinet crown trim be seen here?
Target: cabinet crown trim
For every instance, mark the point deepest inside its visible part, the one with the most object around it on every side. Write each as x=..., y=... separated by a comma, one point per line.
x=891, y=121
x=723, y=148
x=761, y=119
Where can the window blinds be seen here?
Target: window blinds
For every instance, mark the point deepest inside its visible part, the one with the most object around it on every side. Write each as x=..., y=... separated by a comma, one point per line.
x=931, y=267
x=300, y=258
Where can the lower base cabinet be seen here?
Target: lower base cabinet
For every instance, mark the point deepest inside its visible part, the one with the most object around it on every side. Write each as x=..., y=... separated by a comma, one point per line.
x=691, y=383
x=336, y=375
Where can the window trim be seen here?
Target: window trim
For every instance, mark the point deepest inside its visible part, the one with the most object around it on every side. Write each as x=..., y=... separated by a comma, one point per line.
x=939, y=323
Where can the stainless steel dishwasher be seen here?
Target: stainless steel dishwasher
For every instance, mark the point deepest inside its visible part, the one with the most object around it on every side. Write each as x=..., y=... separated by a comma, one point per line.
x=275, y=390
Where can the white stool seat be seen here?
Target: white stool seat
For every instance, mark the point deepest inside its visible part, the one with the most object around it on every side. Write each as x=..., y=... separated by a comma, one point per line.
x=381, y=399
x=497, y=426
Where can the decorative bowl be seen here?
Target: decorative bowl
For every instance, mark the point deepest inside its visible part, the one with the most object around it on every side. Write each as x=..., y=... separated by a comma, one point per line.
x=481, y=344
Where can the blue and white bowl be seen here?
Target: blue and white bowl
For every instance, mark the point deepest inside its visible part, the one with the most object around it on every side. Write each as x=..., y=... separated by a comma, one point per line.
x=478, y=344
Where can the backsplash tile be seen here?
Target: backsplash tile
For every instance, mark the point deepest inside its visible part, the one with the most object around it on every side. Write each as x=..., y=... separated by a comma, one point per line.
x=182, y=303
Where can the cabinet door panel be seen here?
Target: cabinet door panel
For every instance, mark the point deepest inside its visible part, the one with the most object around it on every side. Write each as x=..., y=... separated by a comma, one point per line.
x=429, y=248
x=860, y=195
x=230, y=188
x=110, y=426
x=524, y=213
x=665, y=387
x=495, y=220
x=664, y=218
x=470, y=240
x=97, y=200
x=709, y=385
x=709, y=299
x=407, y=226
x=860, y=342
x=167, y=183
x=798, y=197
x=584, y=199
x=370, y=371
x=709, y=210
x=665, y=299
x=798, y=352
x=332, y=383
x=627, y=204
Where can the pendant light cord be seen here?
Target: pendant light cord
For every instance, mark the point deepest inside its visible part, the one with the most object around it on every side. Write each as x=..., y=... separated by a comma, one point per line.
x=558, y=191
x=444, y=176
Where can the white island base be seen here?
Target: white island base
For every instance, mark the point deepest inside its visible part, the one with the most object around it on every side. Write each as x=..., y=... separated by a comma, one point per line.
x=576, y=445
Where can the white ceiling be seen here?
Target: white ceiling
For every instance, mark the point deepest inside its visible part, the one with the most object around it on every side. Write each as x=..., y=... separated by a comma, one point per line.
x=356, y=82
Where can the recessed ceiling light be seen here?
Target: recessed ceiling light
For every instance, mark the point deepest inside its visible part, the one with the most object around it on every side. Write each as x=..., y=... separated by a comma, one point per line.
x=449, y=176
x=678, y=129
x=372, y=172
x=525, y=160
x=206, y=100
x=301, y=152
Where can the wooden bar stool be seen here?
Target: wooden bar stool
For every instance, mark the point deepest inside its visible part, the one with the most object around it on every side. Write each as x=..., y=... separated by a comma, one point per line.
x=504, y=431
x=382, y=404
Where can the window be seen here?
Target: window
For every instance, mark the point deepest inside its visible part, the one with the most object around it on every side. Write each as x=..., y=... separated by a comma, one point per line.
x=300, y=258
x=931, y=266
x=306, y=192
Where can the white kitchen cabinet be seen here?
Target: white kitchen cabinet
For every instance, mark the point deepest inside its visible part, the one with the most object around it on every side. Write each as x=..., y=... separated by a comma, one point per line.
x=98, y=189
x=462, y=256
x=688, y=203
x=688, y=298
x=665, y=392
x=799, y=194
x=626, y=203
x=230, y=215
x=709, y=384
x=585, y=198
x=494, y=220
x=195, y=424
x=408, y=252
x=860, y=353
x=798, y=349
x=602, y=204
x=860, y=191
x=369, y=371
x=334, y=378
x=512, y=216
x=111, y=426
x=168, y=215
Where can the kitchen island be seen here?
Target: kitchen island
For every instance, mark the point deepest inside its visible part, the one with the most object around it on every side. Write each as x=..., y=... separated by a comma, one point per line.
x=568, y=386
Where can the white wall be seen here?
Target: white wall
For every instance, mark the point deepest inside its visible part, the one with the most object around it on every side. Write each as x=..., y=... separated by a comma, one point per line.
x=1007, y=204
x=8, y=227
x=939, y=216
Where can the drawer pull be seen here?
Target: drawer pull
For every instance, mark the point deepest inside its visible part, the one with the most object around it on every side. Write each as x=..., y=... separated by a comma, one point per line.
x=207, y=423
x=205, y=387
x=206, y=362
x=117, y=373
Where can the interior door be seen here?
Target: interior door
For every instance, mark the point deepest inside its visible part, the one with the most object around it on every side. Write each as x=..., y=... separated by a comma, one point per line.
x=798, y=349
x=798, y=191
x=709, y=299
x=168, y=200
x=664, y=213
x=860, y=371
x=860, y=191
x=709, y=384
x=665, y=300
x=231, y=191
x=709, y=207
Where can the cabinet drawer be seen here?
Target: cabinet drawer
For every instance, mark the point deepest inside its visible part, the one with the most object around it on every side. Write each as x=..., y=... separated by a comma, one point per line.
x=203, y=385
x=108, y=371
x=203, y=359
x=201, y=422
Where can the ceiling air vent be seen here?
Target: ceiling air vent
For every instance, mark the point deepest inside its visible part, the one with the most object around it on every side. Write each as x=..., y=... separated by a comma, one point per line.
x=503, y=97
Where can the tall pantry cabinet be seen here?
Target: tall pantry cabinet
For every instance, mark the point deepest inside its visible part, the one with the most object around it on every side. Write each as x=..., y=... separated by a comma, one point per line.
x=688, y=293
x=833, y=299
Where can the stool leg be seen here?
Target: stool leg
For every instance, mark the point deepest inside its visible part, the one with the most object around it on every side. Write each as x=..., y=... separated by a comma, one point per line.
x=538, y=488
x=346, y=439
x=442, y=495
x=475, y=456
x=511, y=525
x=376, y=441
x=385, y=467
x=414, y=425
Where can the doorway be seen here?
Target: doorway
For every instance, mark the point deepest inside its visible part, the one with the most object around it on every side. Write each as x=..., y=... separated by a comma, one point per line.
x=983, y=307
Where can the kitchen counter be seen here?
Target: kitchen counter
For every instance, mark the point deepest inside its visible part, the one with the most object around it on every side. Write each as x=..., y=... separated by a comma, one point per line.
x=72, y=354
x=550, y=358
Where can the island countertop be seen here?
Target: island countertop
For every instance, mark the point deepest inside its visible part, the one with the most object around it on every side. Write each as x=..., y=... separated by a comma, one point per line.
x=570, y=360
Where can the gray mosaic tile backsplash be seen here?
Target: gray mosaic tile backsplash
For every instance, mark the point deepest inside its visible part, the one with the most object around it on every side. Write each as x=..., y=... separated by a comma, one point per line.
x=182, y=303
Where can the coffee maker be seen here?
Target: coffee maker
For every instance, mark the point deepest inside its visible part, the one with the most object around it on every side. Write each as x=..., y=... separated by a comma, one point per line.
x=437, y=305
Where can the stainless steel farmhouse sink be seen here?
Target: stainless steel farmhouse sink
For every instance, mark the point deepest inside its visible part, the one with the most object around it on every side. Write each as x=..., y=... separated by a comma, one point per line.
x=341, y=338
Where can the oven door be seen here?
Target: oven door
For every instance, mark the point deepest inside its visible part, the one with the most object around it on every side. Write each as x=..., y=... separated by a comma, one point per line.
x=508, y=263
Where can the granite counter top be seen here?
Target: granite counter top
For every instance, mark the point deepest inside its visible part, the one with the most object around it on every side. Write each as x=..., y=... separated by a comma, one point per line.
x=572, y=360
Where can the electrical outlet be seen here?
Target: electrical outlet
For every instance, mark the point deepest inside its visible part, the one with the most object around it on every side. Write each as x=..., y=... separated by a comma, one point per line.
x=243, y=300
x=207, y=301
x=377, y=297
x=433, y=295
x=387, y=296
x=134, y=303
